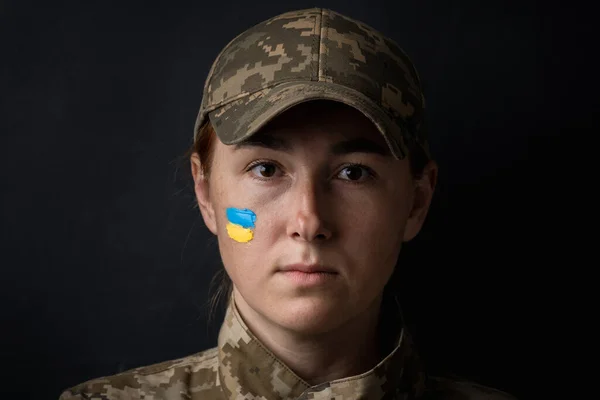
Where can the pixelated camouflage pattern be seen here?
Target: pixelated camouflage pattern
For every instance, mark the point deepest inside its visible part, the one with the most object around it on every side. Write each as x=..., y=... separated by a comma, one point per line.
x=240, y=367
x=313, y=54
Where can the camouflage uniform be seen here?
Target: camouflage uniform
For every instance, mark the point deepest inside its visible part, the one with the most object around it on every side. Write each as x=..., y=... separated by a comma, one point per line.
x=289, y=59
x=241, y=367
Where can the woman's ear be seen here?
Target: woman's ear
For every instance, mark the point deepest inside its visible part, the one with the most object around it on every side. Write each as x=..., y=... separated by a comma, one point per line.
x=422, y=195
x=201, y=188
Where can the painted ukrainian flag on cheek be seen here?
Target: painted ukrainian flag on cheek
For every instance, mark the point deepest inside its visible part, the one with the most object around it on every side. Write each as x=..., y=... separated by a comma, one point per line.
x=240, y=225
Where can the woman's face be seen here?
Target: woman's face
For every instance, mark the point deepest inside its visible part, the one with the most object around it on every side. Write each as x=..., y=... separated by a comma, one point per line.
x=331, y=208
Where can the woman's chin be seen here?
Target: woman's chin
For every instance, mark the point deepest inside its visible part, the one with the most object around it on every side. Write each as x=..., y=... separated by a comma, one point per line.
x=309, y=315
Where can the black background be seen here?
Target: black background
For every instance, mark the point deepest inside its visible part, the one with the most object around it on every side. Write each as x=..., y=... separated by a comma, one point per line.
x=106, y=264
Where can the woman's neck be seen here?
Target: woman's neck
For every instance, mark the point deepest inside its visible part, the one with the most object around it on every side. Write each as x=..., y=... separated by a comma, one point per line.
x=348, y=350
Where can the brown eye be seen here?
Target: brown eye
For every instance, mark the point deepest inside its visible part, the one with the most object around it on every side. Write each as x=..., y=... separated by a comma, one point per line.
x=264, y=170
x=354, y=173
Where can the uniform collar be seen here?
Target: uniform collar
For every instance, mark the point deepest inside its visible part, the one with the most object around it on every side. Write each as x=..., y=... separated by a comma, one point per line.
x=247, y=369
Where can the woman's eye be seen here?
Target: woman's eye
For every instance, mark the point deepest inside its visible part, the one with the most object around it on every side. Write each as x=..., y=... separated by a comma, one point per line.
x=264, y=170
x=354, y=173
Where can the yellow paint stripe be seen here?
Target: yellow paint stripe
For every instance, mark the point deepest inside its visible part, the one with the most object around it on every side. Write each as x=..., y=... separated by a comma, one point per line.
x=239, y=233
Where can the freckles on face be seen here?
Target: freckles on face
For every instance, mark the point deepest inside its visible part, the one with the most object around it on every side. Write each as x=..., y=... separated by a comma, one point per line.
x=370, y=233
x=241, y=220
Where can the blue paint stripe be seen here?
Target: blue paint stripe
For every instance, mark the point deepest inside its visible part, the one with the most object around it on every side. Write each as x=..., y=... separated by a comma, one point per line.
x=243, y=217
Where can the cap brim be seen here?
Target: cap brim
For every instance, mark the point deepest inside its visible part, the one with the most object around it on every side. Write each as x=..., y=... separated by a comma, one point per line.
x=242, y=118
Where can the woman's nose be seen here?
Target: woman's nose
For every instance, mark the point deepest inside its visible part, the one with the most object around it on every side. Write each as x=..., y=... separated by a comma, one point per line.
x=307, y=221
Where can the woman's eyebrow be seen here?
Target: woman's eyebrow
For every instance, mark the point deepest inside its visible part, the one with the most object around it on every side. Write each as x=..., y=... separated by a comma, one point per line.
x=359, y=145
x=266, y=141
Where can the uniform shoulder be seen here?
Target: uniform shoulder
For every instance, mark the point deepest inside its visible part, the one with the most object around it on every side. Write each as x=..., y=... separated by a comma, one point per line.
x=149, y=380
x=458, y=389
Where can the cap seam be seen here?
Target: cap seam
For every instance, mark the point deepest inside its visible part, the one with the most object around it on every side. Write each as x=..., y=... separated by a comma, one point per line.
x=322, y=36
x=316, y=48
x=318, y=19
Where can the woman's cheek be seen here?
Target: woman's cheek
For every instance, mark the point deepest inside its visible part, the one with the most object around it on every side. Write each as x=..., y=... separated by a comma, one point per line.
x=247, y=208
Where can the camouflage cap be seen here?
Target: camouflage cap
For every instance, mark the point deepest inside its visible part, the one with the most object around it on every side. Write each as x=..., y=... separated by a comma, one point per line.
x=307, y=55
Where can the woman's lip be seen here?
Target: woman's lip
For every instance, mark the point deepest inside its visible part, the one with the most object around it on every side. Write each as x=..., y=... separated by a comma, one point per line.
x=309, y=278
x=308, y=269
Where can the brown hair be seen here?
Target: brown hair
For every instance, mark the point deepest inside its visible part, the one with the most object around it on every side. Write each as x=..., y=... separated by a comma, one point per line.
x=204, y=146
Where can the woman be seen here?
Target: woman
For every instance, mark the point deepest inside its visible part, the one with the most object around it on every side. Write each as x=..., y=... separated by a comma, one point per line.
x=311, y=167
